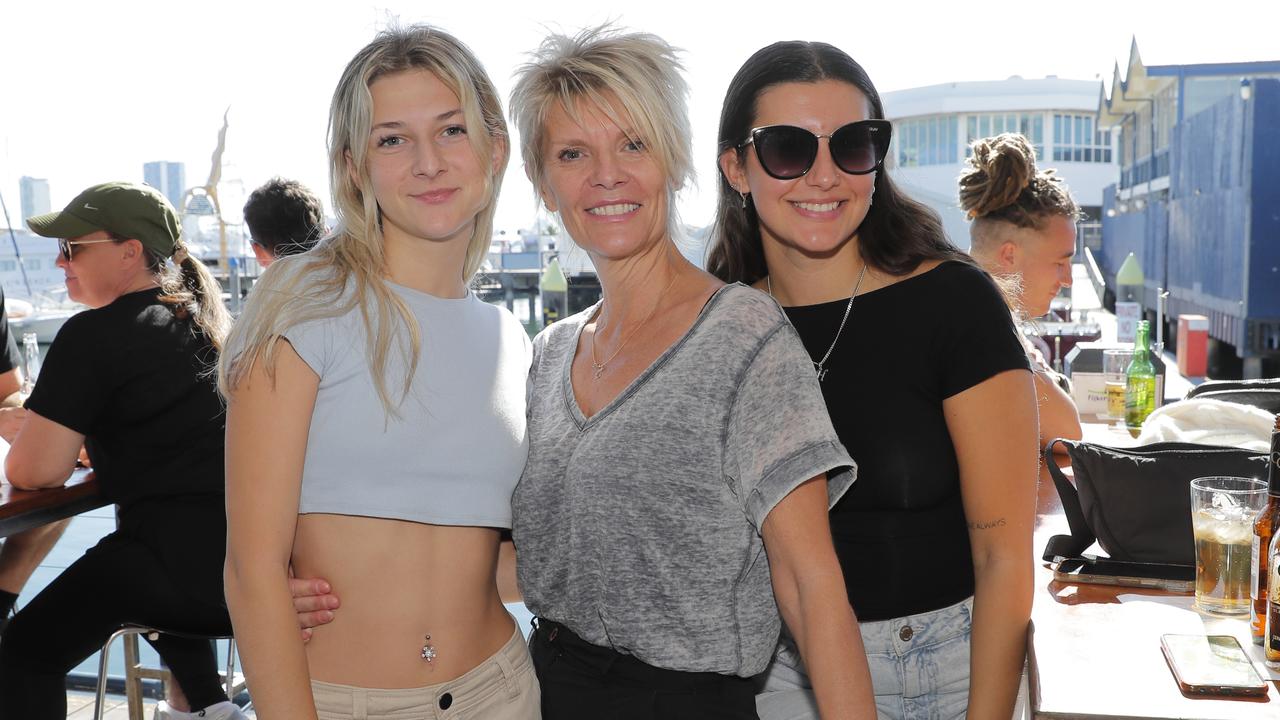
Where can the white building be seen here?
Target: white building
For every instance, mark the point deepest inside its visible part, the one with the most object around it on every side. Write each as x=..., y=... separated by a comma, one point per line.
x=39, y=256
x=933, y=126
x=35, y=196
x=170, y=178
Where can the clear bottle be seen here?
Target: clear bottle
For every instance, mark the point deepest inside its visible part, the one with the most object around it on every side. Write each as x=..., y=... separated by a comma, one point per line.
x=1140, y=382
x=1264, y=528
x=30, y=361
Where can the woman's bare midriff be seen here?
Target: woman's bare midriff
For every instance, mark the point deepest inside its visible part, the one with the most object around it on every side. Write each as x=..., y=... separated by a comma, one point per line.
x=399, y=581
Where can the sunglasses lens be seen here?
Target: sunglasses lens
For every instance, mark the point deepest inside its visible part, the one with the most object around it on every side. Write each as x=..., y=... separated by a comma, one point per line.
x=64, y=248
x=785, y=152
x=858, y=148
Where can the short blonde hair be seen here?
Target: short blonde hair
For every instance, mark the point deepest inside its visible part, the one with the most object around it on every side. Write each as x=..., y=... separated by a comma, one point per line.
x=640, y=70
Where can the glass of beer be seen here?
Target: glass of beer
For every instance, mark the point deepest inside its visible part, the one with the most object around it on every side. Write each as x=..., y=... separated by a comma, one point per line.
x=1222, y=514
x=1114, y=364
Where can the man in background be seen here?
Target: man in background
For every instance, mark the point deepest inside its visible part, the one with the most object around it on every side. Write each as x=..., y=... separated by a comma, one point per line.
x=284, y=218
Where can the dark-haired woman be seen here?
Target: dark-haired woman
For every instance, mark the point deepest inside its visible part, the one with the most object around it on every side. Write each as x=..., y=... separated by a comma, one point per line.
x=129, y=380
x=923, y=376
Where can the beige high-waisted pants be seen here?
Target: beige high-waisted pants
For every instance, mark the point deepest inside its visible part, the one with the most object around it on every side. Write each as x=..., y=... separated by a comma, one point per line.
x=503, y=687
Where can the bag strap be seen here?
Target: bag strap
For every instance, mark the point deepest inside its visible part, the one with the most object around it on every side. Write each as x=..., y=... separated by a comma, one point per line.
x=1081, y=537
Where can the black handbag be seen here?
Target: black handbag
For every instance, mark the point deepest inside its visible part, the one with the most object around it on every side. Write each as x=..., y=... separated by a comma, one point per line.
x=1136, y=502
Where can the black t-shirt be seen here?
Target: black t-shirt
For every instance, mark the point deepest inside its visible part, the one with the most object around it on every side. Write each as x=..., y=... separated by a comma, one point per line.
x=138, y=383
x=10, y=358
x=900, y=531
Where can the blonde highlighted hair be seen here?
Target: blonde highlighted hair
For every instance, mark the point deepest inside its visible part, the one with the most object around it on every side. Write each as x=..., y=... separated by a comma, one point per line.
x=632, y=78
x=1001, y=189
x=1000, y=183
x=347, y=269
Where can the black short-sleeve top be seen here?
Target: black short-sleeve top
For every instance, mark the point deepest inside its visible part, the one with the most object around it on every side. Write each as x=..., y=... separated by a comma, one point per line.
x=900, y=531
x=138, y=382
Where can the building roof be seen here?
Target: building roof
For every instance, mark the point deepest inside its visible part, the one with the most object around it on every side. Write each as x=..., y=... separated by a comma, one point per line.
x=1140, y=81
x=1015, y=93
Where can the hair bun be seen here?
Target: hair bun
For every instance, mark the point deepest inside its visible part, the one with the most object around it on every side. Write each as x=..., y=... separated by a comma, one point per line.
x=999, y=169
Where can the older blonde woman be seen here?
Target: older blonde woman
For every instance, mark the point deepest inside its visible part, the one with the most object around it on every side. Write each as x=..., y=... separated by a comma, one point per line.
x=676, y=492
x=376, y=423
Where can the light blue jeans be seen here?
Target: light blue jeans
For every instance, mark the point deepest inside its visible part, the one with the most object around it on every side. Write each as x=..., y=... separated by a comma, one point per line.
x=919, y=669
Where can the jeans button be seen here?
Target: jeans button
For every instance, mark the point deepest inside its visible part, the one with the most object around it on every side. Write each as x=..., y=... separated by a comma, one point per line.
x=905, y=633
x=445, y=701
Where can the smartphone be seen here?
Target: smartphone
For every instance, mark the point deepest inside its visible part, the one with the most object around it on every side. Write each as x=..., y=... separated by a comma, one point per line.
x=1211, y=665
x=1104, y=571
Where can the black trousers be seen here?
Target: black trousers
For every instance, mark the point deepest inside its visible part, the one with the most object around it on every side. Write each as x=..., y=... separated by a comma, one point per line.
x=159, y=570
x=581, y=680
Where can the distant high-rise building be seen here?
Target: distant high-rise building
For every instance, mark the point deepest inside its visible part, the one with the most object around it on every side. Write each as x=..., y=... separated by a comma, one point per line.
x=170, y=178
x=35, y=196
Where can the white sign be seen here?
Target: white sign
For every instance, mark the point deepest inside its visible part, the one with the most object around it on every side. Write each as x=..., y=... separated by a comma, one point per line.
x=1127, y=316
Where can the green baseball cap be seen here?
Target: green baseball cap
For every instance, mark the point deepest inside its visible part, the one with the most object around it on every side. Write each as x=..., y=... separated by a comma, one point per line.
x=129, y=210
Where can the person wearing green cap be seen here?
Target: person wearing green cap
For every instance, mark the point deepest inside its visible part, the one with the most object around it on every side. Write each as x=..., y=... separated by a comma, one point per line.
x=130, y=380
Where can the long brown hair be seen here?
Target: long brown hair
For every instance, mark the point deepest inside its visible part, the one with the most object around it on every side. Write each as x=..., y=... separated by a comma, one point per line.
x=898, y=233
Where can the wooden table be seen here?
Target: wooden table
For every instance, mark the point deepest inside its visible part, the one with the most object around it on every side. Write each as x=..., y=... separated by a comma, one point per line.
x=1094, y=650
x=25, y=509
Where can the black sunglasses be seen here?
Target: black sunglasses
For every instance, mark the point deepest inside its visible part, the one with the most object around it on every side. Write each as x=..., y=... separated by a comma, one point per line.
x=787, y=152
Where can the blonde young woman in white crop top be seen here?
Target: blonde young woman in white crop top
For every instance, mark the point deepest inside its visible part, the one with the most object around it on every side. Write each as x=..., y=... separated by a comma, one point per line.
x=377, y=445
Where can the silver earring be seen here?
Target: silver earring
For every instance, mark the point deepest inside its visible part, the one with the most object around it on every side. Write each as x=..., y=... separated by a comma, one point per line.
x=744, y=199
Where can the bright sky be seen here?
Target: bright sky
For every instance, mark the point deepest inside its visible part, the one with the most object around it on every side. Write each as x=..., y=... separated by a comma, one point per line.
x=93, y=90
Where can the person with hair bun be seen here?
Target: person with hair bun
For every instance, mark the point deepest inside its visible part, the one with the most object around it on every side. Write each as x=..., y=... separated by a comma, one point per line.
x=1024, y=232
x=923, y=378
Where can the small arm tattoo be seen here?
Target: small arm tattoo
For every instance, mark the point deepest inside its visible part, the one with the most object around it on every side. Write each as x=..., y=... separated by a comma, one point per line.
x=987, y=525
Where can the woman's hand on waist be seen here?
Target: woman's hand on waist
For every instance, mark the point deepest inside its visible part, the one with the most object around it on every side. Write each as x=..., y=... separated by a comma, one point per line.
x=313, y=601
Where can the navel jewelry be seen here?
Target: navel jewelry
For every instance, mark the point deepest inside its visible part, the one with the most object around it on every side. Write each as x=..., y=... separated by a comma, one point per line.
x=820, y=365
x=598, y=367
x=428, y=650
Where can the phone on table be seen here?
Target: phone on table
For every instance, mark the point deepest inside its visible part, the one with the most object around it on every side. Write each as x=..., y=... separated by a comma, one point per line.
x=1212, y=665
x=1105, y=571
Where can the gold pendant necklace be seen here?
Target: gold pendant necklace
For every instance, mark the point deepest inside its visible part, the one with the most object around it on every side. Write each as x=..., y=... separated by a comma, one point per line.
x=598, y=368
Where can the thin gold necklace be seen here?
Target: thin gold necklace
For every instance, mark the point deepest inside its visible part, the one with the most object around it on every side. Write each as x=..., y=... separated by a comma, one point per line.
x=598, y=367
x=819, y=366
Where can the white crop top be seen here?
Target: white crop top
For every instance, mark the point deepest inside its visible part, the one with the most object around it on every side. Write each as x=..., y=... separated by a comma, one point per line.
x=455, y=453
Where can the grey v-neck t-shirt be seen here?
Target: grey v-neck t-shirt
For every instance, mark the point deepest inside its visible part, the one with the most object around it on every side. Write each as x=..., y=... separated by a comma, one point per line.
x=639, y=527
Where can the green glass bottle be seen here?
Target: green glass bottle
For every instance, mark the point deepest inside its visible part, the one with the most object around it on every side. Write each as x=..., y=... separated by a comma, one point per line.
x=1140, y=382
